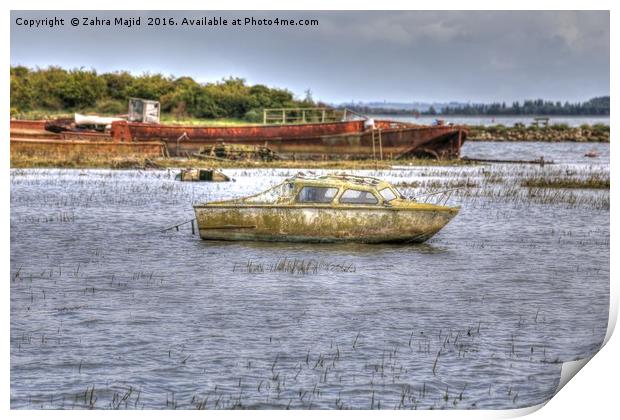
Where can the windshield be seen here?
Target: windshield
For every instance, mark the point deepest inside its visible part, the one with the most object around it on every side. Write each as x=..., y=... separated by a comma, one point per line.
x=281, y=192
x=387, y=194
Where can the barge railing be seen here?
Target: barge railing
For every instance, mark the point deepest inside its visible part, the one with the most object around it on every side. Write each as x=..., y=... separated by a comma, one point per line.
x=308, y=115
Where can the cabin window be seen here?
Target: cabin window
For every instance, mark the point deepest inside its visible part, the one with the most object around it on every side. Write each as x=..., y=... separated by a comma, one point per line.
x=387, y=194
x=316, y=195
x=358, y=197
x=206, y=175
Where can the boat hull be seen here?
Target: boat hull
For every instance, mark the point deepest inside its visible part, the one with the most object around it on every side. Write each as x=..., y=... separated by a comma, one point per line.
x=294, y=223
x=311, y=141
x=338, y=140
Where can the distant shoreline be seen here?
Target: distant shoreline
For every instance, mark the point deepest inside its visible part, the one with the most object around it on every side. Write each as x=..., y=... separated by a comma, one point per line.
x=597, y=133
x=410, y=114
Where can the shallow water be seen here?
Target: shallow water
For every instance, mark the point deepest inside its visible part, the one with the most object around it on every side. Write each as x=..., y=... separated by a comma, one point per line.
x=566, y=153
x=109, y=311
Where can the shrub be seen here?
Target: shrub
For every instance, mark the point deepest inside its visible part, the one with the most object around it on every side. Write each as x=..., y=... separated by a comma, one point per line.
x=111, y=106
x=560, y=127
x=253, y=115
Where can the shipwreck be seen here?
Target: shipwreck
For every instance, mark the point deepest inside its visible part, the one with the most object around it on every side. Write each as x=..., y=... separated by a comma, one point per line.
x=201, y=175
x=301, y=134
x=334, y=208
x=285, y=133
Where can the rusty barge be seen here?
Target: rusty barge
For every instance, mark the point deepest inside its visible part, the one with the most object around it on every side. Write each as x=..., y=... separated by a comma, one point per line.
x=303, y=138
x=333, y=140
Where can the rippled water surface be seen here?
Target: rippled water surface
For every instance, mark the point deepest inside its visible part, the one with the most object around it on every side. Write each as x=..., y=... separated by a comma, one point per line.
x=108, y=311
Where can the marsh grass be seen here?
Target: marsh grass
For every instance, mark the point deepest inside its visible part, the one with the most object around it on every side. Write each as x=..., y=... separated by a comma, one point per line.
x=475, y=185
x=140, y=161
x=594, y=181
x=521, y=185
x=79, y=160
x=295, y=266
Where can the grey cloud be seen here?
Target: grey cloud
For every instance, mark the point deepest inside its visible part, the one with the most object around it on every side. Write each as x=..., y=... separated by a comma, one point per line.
x=394, y=56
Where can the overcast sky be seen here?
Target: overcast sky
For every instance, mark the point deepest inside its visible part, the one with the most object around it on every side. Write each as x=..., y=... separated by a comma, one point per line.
x=359, y=56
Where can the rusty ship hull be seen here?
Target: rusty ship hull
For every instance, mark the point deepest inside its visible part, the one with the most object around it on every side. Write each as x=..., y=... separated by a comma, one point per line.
x=336, y=140
x=329, y=140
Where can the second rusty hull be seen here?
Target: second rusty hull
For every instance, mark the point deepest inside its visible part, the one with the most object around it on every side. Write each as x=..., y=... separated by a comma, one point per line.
x=339, y=140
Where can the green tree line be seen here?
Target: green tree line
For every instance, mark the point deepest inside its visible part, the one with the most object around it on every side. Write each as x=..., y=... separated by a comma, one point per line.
x=58, y=90
x=595, y=106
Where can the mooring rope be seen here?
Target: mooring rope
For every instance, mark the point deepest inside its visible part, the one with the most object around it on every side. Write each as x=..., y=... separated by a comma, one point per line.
x=180, y=224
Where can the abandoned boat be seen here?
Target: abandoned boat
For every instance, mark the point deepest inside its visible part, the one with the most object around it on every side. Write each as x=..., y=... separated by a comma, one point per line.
x=204, y=175
x=333, y=208
x=285, y=133
x=349, y=139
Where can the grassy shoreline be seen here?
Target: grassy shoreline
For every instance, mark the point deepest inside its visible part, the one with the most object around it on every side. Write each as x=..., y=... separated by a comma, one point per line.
x=140, y=162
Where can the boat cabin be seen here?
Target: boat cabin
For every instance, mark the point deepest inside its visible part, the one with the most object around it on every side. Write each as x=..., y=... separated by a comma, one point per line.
x=330, y=190
x=204, y=175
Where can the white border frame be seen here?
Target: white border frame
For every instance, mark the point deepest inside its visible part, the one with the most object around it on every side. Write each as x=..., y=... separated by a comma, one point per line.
x=593, y=394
